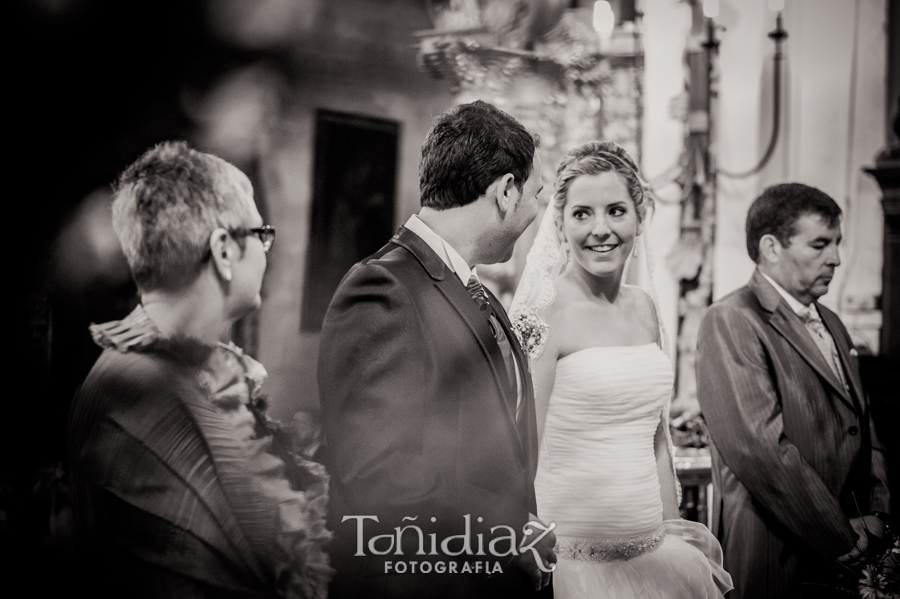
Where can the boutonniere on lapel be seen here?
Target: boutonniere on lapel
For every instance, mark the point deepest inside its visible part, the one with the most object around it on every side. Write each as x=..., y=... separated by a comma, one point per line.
x=531, y=333
x=854, y=353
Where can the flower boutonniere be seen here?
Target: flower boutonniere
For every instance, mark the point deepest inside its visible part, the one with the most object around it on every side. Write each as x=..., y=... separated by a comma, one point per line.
x=531, y=332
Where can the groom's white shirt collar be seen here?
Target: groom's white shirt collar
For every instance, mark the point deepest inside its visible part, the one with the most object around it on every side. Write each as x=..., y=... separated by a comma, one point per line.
x=443, y=249
x=792, y=301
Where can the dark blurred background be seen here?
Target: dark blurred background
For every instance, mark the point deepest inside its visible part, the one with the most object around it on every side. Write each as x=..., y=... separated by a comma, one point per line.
x=94, y=84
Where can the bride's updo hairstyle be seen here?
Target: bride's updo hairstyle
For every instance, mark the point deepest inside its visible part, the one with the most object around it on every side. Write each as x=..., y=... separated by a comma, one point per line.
x=593, y=158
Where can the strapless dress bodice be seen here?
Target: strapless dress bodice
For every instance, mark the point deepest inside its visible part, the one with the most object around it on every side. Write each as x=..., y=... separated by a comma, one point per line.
x=597, y=480
x=597, y=473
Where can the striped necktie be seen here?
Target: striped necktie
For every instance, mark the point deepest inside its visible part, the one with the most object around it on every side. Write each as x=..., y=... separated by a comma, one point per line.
x=825, y=343
x=476, y=290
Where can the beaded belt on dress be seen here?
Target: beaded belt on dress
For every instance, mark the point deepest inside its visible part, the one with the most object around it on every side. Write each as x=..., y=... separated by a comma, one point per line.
x=606, y=549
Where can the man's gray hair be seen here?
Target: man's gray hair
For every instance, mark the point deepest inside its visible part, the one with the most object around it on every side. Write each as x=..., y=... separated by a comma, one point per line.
x=166, y=206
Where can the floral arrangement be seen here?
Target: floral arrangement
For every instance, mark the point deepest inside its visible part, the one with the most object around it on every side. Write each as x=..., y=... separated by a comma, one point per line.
x=880, y=577
x=531, y=332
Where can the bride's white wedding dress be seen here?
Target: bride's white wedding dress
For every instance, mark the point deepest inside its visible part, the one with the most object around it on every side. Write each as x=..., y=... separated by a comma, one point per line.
x=597, y=480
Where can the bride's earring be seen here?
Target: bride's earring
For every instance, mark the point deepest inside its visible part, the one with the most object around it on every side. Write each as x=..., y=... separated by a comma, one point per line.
x=634, y=252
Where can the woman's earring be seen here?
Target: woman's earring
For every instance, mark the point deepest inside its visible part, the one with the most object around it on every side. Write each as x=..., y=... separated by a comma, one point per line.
x=634, y=252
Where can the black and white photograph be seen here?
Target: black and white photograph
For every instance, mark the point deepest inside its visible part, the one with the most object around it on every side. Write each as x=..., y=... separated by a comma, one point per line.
x=401, y=299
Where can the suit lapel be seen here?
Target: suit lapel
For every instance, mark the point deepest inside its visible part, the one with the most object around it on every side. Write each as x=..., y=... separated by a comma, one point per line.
x=456, y=294
x=522, y=366
x=477, y=322
x=834, y=327
x=789, y=326
x=526, y=423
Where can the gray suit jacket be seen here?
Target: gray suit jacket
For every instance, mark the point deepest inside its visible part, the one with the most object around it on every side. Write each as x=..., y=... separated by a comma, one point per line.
x=793, y=451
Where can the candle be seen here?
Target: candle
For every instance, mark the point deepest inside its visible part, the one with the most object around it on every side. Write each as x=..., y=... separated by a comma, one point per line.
x=604, y=19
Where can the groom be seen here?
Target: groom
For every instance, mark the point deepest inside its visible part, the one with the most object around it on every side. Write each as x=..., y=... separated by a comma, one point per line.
x=426, y=396
x=799, y=473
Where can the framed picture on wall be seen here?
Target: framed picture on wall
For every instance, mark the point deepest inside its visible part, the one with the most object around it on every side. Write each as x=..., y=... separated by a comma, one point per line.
x=354, y=182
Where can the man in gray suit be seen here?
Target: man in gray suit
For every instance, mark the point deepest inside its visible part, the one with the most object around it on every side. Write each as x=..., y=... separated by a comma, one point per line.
x=798, y=471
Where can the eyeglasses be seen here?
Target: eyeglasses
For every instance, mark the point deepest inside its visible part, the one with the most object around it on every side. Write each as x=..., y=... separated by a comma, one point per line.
x=266, y=234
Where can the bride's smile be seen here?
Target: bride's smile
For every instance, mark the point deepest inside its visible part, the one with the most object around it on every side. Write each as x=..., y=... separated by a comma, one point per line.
x=600, y=223
x=602, y=249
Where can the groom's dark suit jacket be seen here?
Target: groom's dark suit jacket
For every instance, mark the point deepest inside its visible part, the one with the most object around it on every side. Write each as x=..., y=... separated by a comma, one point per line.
x=419, y=420
x=791, y=446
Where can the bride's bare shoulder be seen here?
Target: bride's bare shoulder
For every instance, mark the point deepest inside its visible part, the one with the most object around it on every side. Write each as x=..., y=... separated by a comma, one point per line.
x=641, y=304
x=638, y=297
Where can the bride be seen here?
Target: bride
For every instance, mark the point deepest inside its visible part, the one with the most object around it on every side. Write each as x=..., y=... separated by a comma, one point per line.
x=602, y=386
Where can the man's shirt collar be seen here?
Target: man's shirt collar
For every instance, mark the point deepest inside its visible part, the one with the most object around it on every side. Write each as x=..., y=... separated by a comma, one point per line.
x=450, y=256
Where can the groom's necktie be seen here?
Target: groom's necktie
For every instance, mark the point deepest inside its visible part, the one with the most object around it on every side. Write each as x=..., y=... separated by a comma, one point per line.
x=476, y=290
x=825, y=343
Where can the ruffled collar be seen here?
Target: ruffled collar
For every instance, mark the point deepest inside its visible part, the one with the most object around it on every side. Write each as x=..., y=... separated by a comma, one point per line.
x=229, y=374
x=137, y=332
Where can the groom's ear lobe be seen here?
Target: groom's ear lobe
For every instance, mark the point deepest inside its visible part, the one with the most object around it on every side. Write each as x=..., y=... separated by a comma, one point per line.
x=506, y=186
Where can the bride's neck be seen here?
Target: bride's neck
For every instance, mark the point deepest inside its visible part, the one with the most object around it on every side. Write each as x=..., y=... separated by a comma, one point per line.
x=602, y=287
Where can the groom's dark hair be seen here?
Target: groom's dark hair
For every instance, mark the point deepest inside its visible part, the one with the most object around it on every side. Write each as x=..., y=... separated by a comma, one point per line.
x=467, y=148
x=776, y=210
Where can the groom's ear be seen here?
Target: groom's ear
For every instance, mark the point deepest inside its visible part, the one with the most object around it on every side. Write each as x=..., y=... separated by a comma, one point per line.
x=504, y=192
